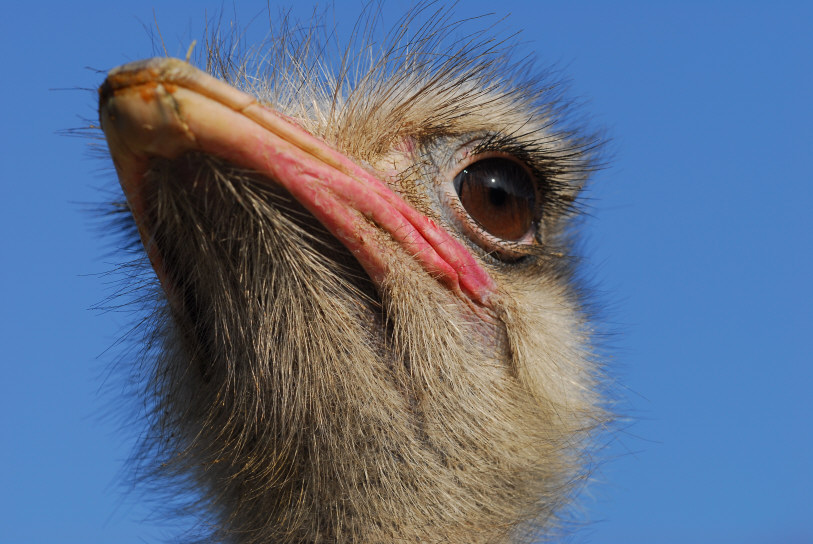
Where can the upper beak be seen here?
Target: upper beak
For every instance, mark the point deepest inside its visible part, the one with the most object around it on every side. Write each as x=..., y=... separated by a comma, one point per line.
x=164, y=107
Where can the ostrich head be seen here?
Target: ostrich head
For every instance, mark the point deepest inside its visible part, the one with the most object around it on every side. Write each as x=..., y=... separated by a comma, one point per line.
x=367, y=328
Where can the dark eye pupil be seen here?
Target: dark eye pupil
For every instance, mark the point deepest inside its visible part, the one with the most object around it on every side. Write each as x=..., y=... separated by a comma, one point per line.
x=499, y=195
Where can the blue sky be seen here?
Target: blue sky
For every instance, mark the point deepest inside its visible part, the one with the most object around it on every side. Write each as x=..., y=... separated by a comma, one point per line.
x=700, y=242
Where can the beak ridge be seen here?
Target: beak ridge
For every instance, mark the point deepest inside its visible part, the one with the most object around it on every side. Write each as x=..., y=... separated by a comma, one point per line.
x=164, y=107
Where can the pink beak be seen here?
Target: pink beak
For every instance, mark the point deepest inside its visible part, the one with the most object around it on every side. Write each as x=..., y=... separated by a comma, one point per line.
x=164, y=107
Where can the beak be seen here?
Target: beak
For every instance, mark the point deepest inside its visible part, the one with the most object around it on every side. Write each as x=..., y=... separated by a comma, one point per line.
x=164, y=107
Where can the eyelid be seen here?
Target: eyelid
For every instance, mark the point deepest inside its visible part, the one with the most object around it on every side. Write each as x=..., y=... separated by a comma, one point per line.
x=468, y=154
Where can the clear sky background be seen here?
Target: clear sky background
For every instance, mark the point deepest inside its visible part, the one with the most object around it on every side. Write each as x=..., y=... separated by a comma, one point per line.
x=700, y=242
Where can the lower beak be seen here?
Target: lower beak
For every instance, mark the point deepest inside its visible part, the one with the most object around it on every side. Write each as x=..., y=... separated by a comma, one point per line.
x=164, y=107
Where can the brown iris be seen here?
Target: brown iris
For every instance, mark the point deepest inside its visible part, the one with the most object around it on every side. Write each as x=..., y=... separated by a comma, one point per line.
x=499, y=195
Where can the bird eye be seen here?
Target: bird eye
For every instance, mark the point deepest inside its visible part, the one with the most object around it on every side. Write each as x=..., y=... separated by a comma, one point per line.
x=499, y=195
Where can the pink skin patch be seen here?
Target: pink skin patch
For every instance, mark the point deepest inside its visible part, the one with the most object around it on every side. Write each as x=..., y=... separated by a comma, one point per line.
x=164, y=107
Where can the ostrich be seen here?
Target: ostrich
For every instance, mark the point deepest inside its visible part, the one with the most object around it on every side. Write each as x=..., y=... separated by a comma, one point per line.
x=368, y=327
